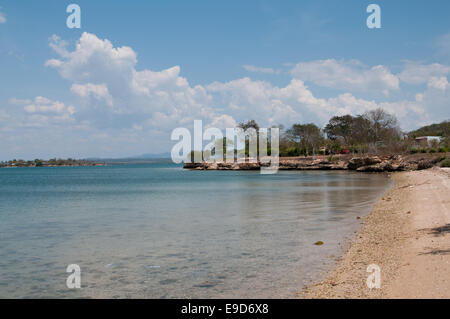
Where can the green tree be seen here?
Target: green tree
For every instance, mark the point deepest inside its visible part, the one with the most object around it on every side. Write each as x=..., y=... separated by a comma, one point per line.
x=306, y=136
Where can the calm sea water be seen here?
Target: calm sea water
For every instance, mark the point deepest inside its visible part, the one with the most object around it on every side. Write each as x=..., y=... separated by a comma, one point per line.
x=158, y=231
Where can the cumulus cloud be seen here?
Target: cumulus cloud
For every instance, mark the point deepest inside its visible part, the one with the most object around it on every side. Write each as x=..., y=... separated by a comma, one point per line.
x=106, y=79
x=42, y=111
x=347, y=75
x=295, y=102
x=438, y=83
x=223, y=121
x=93, y=60
x=419, y=73
x=97, y=91
x=121, y=106
x=45, y=105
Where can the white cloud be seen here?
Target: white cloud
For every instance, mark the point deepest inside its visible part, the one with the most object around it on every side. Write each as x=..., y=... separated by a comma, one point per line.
x=121, y=107
x=40, y=112
x=98, y=91
x=223, y=121
x=268, y=105
x=246, y=99
x=346, y=75
x=115, y=94
x=418, y=73
x=93, y=61
x=438, y=83
x=161, y=100
x=2, y=17
x=45, y=105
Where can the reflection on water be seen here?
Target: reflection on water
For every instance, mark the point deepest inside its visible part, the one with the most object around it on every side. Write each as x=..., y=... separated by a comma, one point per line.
x=152, y=232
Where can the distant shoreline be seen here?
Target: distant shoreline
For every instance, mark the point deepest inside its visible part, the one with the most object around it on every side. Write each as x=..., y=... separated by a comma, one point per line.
x=50, y=163
x=32, y=166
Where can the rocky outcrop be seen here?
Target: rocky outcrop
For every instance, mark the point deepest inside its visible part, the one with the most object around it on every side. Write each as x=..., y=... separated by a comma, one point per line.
x=357, y=162
x=361, y=164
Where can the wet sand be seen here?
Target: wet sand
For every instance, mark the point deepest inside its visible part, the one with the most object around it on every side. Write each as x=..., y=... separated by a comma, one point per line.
x=407, y=235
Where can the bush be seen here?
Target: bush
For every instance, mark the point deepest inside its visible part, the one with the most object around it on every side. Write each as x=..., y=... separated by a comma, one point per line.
x=423, y=150
x=414, y=150
x=445, y=163
x=442, y=150
x=433, y=150
x=332, y=159
x=293, y=151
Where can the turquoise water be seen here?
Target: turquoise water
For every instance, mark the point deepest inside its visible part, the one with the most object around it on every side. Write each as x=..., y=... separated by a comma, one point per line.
x=158, y=231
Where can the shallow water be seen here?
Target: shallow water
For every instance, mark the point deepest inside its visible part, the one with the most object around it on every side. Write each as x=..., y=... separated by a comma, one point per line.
x=158, y=231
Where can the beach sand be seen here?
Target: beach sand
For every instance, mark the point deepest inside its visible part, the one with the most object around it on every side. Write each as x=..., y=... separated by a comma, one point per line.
x=407, y=235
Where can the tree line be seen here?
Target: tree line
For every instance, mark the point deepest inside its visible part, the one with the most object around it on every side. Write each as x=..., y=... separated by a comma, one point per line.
x=375, y=131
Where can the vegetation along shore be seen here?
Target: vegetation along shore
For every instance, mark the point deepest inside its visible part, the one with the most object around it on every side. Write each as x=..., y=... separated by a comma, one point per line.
x=49, y=163
x=371, y=142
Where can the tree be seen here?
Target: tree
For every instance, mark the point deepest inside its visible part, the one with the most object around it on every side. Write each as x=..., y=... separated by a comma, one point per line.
x=340, y=127
x=38, y=162
x=441, y=129
x=249, y=124
x=382, y=124
x=307, y=136
x=360, y=133
x=246, y=126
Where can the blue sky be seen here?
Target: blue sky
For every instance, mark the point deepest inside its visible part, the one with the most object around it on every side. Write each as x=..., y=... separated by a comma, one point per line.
x=136, y=70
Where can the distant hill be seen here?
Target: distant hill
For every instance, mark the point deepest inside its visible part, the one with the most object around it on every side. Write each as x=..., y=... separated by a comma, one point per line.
x=152, y=156
x=143, y=158
x=441, y=129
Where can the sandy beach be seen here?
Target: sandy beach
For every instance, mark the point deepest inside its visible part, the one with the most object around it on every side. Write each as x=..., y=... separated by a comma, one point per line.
x=407, y=235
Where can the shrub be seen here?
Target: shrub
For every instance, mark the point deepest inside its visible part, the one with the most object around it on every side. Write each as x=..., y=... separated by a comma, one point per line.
x=331, y=158
x=442, y=150
x=293, y=151
x=433, y=150
x=414, y=150
x=445, y=163
x=423, y=150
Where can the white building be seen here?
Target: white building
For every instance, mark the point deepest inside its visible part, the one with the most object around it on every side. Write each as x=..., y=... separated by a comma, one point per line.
x=428, y=140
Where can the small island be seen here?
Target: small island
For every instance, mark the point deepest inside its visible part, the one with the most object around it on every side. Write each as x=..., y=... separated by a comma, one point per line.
x=54, y=162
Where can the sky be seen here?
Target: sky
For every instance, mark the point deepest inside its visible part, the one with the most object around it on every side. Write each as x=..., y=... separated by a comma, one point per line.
x=136, y=70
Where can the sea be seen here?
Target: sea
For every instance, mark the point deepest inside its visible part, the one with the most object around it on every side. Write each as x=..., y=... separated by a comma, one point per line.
x=156, y=230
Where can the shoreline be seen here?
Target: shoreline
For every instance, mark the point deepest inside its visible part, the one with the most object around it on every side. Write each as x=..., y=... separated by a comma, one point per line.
x=406, y=235
x=365, y=163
